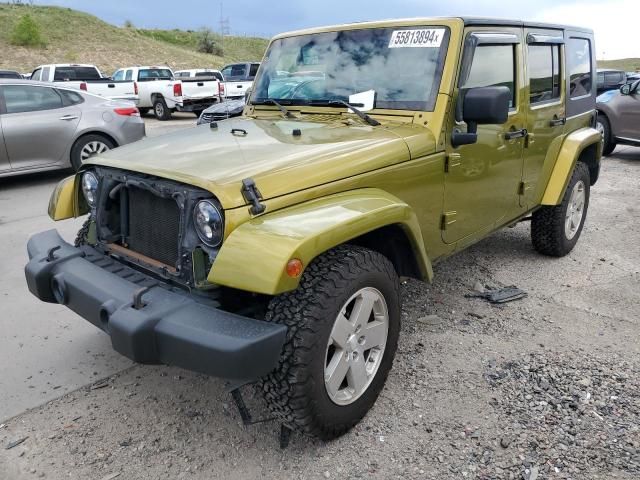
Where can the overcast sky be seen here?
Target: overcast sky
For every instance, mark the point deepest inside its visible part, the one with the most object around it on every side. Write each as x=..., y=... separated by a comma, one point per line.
x=614, y=21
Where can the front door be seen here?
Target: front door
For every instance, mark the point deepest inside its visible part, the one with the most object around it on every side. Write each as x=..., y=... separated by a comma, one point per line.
x=38, y=129
x=628, y=109
x=482, y=179
x=546, y=115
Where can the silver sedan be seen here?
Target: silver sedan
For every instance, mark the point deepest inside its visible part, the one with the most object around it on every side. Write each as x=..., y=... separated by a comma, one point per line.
x=46, y=126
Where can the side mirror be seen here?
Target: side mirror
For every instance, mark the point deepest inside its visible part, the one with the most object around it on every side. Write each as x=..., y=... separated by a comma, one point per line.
x=482, y=106
x=625, y=89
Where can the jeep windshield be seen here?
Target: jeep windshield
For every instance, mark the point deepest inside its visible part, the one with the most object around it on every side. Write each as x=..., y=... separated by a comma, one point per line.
x=402, y=65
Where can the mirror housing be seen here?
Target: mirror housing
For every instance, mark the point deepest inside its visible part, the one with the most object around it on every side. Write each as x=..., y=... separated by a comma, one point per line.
x=482, y=106
x=625, y=89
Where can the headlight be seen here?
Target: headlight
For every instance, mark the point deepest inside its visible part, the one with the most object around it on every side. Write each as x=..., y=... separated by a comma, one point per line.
x=209, y=223
x=90, y=188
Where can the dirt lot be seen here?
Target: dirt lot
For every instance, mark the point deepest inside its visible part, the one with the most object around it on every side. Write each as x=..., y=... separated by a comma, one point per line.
x=544, y=387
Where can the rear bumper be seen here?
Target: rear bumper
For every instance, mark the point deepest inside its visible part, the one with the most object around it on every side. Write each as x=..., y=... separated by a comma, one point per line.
x=170, y=327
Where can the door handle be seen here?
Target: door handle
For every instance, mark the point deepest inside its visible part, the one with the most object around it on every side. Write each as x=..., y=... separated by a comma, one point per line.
x=557, y=122
x=111, y=85
x=515, y=134
x=68, y=117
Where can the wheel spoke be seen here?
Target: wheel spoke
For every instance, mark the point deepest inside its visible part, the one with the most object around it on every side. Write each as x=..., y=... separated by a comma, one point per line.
x=336, y=371
x=357, y=374
x=375, y=335
x=362, y=310
x=341, y=331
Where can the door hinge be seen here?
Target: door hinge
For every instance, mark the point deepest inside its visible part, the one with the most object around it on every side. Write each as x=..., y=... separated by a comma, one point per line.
x=523, y=187
x=450, y=161
x=448, y=218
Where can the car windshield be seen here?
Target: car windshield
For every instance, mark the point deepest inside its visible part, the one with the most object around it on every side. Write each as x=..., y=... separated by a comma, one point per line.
x=402, y=65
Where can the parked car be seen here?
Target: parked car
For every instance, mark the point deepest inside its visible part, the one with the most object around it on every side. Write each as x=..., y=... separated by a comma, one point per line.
x=633, y=76
x=47, y=126
x=609, y=79
x=222, y=111
x=269, y=250
x=238, y=78
x=619, y=117
x=159, y=90
x=202, y=74
x=9, y=74
x=87, y=78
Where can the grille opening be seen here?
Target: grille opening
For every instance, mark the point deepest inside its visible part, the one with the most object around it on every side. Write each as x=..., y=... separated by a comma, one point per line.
x=154, y=226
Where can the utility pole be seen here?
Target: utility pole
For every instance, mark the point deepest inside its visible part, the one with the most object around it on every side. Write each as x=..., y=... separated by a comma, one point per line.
x=224, y=27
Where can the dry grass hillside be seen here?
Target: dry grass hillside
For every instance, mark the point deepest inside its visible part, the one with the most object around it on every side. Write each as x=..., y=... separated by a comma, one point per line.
x=76, y=37
x=626, y=64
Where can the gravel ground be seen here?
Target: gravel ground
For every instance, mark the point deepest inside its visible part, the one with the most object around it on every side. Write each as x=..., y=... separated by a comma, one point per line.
x=545, y=387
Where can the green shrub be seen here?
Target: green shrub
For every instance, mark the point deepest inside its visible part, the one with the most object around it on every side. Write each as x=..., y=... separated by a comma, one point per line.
x=207, y=43
x=27, y=33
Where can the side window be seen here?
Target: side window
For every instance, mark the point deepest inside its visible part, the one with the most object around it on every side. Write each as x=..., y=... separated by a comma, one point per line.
x=45, y=74
x=28, y=98
x=493, y=66
x=253, y=69
x=544, y=73
x=579, y=65
x=119, y=75
x=128, y=75
x=226, y=71
x=70, y=97
x=36, y=74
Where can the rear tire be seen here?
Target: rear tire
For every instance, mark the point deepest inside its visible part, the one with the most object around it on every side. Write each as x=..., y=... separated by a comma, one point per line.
x=143, y=111
x=330, y=373
x=160, y=109
x=87, y=146
x=555, y=229
x=604, y=127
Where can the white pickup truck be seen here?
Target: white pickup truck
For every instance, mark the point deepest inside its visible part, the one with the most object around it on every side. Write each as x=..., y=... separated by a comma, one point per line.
x=158, y=89
x=202, y=74
x=87, y=78
x=238, y=78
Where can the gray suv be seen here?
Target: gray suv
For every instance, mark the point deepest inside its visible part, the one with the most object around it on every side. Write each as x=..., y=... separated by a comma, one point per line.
x=619, y=117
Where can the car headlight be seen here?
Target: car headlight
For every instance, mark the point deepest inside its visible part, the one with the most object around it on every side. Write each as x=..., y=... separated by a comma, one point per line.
x=90, y=188
x=209, y=223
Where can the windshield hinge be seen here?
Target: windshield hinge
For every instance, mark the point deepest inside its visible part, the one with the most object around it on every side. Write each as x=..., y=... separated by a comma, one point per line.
x=253, y=196
x=451, y=160
x=448, y=218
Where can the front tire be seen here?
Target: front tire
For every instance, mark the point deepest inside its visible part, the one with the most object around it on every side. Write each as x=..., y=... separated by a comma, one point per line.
x=87, y=147
x=344, y=322
x=160, y=109
x=608, y=142
x=555, y=229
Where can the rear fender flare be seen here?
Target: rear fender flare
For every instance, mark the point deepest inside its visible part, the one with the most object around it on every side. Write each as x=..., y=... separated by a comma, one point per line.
x=570, y=152
x=254, y=255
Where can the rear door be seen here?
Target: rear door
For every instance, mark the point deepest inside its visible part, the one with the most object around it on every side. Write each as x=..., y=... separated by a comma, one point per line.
x=37, y=128
x=546, y=114
x=627, y=107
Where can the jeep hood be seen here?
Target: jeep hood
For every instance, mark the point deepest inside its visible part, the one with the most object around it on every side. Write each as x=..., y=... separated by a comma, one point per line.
x=268, y=151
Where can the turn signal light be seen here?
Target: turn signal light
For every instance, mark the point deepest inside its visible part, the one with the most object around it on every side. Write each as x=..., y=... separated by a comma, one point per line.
x=127, y=111
x=294, y=268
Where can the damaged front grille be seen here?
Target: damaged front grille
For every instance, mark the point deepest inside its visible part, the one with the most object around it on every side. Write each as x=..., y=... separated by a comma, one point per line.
x=154, y=226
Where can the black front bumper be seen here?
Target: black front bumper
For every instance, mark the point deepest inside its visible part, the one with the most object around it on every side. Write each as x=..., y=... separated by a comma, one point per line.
x=168, y=326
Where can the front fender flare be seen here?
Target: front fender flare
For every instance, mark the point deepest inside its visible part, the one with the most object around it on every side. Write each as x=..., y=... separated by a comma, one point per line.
x=570, y=151
x=255, y=254
x=63, y=202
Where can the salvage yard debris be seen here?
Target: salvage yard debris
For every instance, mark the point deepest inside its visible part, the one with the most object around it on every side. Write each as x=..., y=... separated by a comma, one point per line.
x=502, y=295
x=15, y=443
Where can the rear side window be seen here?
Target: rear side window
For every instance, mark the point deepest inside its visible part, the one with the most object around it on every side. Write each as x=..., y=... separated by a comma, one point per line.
x=28, y=98
x=579, y=65
x=151, y=74
x=493, y=66
x=45, y=74
x=36, y=74
x=64, y=74
x=70, y=97
x=128, y=75
x=253, y=69
x=544, y=73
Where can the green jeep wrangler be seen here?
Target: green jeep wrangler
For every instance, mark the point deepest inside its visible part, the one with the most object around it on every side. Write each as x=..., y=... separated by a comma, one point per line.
x=267, y=248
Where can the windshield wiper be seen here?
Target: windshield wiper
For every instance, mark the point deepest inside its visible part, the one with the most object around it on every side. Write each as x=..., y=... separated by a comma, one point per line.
x=362, y=115
x=270, y=101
